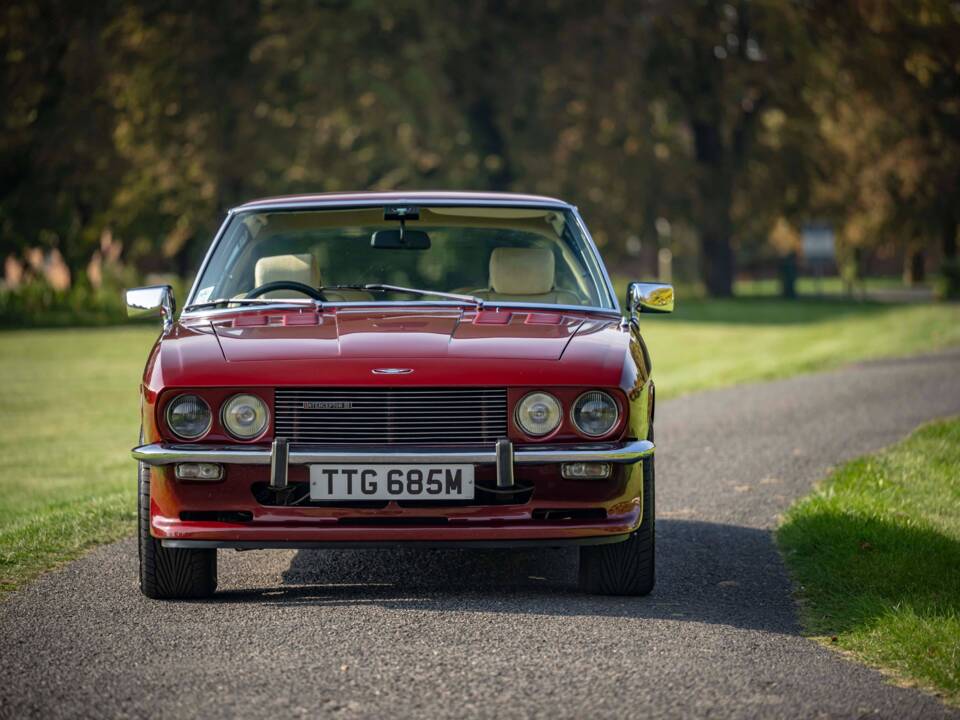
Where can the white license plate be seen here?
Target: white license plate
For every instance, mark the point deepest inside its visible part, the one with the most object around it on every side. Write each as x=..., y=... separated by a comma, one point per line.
x=391, y=482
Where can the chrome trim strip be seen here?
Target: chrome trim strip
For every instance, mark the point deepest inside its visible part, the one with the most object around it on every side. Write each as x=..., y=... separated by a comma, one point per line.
x=611, y=291
x=206, y=258
x=159, y=454
x=341, y=204
x=424, y=304
x=626, y=453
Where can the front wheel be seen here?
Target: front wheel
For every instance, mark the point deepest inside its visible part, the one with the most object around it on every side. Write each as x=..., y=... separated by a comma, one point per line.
x=167, y=573
x=628, y=567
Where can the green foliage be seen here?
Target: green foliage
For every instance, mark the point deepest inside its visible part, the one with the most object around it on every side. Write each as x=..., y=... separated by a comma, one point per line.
x=875, y=552
x=891, y=124
x=36, y=304
x=698, y=124
x=948, y=284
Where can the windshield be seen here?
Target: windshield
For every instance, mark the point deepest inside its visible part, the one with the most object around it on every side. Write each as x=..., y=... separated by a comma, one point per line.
x=504, y=255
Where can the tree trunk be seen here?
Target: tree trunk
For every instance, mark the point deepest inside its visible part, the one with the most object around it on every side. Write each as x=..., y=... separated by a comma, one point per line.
x=717, y=262
x=788, y=276
x=716, y=200
x=950, y=267
x=949, y=237
x=916, y=266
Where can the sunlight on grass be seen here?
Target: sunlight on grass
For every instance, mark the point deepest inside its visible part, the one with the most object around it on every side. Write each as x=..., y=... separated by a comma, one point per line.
x=714, y=343
x=876, y=552
x=69, y=408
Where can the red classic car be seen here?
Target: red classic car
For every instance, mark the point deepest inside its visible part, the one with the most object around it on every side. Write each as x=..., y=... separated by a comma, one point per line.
x=372, y=369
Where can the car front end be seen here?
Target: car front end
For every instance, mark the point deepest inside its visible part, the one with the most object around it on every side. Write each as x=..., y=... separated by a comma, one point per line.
x=458, y=425
x=505, y=416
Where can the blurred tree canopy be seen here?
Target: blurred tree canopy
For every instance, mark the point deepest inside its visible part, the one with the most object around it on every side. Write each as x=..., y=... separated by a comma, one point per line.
x=717, y=128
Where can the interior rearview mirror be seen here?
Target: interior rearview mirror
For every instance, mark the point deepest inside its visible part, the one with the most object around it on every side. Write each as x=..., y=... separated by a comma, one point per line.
x=649, y=298
x=152, y=300
x=402, y=239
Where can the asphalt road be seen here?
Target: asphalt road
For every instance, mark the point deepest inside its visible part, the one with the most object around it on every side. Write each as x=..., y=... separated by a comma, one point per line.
x=499, y=634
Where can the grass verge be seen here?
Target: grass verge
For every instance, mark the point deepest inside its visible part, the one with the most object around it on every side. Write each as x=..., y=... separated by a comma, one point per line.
x=714, y=343
x=69, y=411
x=875, y=552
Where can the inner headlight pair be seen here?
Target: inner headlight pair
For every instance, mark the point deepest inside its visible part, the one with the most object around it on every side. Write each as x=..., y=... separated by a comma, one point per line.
x=594, y=413
x=244, y=416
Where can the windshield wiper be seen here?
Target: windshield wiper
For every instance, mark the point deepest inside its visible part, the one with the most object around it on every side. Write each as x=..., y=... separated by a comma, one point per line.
x=223, y=302
x=416, y=291
x=339, y=287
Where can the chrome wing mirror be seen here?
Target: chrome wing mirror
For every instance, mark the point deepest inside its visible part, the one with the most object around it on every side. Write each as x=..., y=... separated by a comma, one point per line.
x=152, y=300
x=649, y=298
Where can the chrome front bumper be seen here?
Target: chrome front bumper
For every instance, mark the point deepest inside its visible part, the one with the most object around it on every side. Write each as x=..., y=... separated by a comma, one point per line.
x=625, y=453
x=505, y=455
x=282, y=454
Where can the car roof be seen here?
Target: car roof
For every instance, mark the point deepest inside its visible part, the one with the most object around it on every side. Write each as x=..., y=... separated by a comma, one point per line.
x=421, y=197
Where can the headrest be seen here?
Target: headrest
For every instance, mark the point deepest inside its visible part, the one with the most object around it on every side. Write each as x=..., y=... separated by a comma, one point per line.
x=521, y=271
x=298, y=268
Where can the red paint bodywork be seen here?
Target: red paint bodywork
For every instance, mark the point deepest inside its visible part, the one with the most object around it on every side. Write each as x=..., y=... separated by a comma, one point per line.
x=258, y=350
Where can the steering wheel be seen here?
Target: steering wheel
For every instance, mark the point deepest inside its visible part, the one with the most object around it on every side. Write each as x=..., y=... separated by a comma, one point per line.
x=287, y=285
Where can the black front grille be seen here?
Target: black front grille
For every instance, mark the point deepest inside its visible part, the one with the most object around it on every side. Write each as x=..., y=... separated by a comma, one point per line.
x=394, y=416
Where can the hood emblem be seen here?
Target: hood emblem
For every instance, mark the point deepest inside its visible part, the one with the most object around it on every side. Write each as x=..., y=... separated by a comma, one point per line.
x=392, y=371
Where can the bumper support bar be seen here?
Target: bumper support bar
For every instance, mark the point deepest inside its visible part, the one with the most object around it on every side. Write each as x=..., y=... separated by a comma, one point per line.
x=278, y=464
x=504, y=464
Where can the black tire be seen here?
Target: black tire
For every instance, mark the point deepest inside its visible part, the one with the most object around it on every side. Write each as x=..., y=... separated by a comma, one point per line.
x=167, y=573
x=628, y=567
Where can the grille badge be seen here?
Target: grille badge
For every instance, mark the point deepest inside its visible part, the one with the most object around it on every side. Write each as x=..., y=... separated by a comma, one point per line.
x=327, y=405
x=392, y=371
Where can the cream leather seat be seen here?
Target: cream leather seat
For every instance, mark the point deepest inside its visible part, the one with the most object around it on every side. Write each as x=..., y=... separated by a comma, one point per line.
x=294, y=268
x=525, y=275
x=300, y=268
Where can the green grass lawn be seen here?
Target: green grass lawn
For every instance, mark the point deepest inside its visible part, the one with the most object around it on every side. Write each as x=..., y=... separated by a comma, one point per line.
x=69, y=411
x=711, y=343
x=876, y=554
x=69, y=403
x=813, y=286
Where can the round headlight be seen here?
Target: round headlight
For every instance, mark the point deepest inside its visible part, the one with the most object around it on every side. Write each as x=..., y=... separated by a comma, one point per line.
x=538, y=413
x=188, y=416
x=595, y=413
x=245, y=416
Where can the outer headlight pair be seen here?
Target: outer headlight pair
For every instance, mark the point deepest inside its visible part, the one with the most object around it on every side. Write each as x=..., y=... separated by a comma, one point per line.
x=594, y=413
x=244, y=416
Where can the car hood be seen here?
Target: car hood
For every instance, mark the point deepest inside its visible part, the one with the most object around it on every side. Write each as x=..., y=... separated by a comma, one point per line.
x=412, y=334
x=350, y=346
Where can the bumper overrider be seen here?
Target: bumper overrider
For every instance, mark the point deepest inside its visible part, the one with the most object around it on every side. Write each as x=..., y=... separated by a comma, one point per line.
x=283, y=457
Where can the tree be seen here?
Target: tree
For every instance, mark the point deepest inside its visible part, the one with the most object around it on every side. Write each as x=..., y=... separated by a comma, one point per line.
x=725, y=68
x=901, y=61
x=57, y=168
